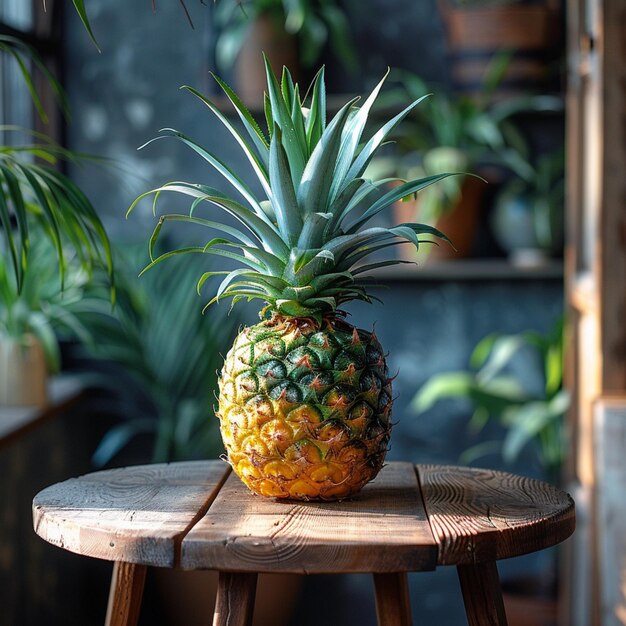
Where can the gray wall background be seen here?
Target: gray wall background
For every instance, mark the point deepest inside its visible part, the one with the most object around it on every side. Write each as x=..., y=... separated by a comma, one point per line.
x=121, y=97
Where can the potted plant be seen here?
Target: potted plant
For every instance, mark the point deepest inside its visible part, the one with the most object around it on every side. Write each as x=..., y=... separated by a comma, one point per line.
x=455, y=132
x=528, y=217
x=452, y=132
x=41, y=213
x=33, y=318
x=290, y=33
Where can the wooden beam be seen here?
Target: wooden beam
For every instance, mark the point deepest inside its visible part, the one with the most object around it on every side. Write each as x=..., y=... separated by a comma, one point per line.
x=612, y=235
x=610, y=443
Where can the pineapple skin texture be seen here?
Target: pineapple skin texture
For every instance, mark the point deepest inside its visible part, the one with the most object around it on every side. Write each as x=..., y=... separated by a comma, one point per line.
x=305, y=410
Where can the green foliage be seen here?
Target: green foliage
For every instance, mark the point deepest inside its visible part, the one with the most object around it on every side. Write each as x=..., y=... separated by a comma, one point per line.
x=312, y=221
x=50, y=233
x=161, y=357
x=460, y=132
x=497, y=394
x=25, y=56
x=42, y=307
x=314, y=22
x=35, y=194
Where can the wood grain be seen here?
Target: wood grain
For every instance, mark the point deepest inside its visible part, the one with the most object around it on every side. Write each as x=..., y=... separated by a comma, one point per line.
x=235, y=599
x=481, y=515
x=393, y=604
x=382, y=529
x=482, y=595
x=135, y=515
x=127, y=585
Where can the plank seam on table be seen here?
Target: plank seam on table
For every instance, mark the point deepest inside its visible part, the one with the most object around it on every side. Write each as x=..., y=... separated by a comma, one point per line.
x=202, y=511
x=564, y=519
x=433, y=531
x=54, y=520
x=430, y=526
x=262, y=543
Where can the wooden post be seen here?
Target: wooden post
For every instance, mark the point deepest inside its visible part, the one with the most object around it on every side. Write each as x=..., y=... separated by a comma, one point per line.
x=393, y=604
x=482, y=595
x=595, y=262
x=610, y=439
x=235, y=599
x=125, y=596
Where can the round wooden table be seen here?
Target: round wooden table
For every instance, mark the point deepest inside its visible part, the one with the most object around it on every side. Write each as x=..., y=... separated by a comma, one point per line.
x=198, y=515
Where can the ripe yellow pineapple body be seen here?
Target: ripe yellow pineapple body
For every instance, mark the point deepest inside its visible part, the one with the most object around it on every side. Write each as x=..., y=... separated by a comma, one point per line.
x=305, y=408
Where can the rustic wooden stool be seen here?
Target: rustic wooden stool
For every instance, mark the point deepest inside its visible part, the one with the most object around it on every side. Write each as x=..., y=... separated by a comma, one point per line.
x=198, y=515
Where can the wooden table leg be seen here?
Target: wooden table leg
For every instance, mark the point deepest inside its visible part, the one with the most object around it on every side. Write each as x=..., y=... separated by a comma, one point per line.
x=482, y=595
x=125, y=595
x=235, y=599
x=393, y=606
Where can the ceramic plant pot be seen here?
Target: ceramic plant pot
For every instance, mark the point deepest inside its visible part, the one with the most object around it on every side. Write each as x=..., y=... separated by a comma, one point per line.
x=23, y=372
x=529, y=237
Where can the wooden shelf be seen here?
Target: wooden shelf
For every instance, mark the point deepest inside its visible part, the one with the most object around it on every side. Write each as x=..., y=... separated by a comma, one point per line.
x=14, y=421
x=469, y=269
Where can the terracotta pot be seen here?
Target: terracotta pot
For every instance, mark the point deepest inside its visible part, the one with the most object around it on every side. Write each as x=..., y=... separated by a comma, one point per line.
x=23, y=372
x=529, y=31
x=459, y=224
x=265, y=35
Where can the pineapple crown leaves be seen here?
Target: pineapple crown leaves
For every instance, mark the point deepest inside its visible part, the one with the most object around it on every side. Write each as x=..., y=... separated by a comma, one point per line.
x=303, y=246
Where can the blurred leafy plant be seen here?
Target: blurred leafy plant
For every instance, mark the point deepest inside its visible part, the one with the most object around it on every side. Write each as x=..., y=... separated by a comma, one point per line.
x=313, y=22
x=25, y=56
x=497, y=393
x=42, y=308
x=33, y=194
x=33, y=191
x=468, y=132
x=161, y=356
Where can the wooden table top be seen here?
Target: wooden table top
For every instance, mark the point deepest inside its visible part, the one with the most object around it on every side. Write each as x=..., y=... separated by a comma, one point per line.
x=198, y=515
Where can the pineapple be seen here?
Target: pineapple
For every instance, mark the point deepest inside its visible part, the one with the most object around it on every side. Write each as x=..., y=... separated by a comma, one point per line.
x=305, y=397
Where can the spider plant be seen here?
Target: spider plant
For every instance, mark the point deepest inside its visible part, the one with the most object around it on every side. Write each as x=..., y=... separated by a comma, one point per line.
x=35, y=194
